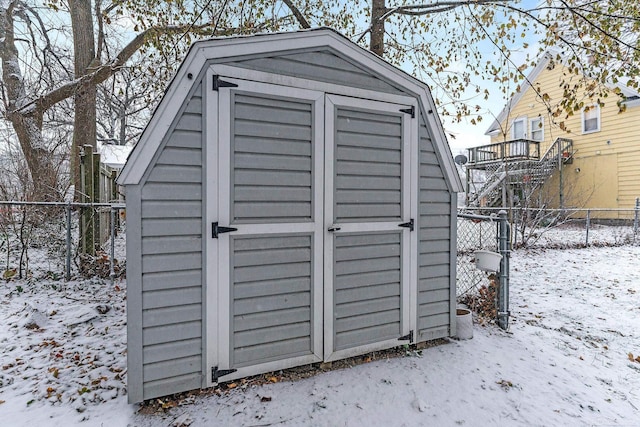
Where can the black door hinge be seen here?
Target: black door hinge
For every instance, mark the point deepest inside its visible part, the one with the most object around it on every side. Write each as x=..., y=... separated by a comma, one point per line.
x=217, y=230
x=411, y=111
x=217, y=83
x=217, y=373
x=410, y=225
x=408, y=337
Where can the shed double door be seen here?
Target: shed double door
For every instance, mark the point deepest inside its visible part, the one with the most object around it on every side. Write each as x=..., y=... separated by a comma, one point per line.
x=310, y=229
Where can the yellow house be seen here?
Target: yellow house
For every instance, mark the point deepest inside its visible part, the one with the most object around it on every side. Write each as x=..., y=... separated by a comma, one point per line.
x=541, y=156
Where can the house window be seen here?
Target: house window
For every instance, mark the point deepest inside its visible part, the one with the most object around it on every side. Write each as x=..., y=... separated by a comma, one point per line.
x=537, y=129
x=591, y=119
x=518, y=131
x=519, y=128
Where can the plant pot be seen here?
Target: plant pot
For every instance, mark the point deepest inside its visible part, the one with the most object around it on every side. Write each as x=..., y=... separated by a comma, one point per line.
x=464, y=324
x=487, y=260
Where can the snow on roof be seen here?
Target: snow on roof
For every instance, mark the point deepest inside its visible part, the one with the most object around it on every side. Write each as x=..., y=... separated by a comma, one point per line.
x=114, y=156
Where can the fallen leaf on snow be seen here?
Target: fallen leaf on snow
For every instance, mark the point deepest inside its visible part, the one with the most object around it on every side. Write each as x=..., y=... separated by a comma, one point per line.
x=506, y=385
x=103, y=308
x=169, y=404
x=8, y=274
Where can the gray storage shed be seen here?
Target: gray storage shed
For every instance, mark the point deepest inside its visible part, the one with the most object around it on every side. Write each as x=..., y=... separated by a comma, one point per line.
x=292, y=200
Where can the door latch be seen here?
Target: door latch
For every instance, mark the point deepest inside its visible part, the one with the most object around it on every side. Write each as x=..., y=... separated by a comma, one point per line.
x=334, y=227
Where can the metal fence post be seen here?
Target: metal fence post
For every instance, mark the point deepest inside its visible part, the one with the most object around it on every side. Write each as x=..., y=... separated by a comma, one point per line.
x=503, y=247
x=635, y=216
x=112, y=272
x=68, y=243
x=588, y=224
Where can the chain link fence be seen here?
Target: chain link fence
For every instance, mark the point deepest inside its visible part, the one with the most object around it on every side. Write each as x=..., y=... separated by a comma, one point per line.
x=499, y=230
x=481, y=287
x=569, y=227
x=39, y=240
x=475, y=232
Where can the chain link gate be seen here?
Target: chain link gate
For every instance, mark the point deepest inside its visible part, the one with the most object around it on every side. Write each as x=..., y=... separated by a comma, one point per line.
x=490, y=233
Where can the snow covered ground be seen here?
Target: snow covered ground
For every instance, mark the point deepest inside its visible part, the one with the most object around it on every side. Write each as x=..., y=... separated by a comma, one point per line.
x=569, y=358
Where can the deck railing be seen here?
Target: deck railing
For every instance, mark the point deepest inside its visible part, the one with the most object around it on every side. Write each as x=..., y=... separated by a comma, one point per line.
x=522, y=149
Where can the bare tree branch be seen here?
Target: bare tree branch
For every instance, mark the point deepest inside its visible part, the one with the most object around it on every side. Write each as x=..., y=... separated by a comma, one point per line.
x=103, y=72
x=100, y=23
x=424, y=9
x=438, y=7
x=296, y=12
x=598, y=28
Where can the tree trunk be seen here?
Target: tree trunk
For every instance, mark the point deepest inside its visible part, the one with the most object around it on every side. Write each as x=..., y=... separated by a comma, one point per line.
x=378, y=9
x=40, y=161
x=84, y=131
x=25, y=117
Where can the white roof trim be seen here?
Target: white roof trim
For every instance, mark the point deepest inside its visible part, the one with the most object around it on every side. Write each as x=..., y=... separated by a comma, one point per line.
x=200, y=52
x=632, y=103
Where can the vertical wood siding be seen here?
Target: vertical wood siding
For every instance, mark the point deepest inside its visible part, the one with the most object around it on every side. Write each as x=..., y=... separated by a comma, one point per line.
x=271, y=298
x=367, y=291
x=368, y=151
x=172, y=260
x=272, y=146
x=434, y=226
x=324, y=66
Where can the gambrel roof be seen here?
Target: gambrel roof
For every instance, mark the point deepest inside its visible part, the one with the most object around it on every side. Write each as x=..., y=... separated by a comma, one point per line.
x=381, y=75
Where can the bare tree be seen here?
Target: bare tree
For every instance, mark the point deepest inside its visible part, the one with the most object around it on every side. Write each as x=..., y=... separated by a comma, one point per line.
x=123, y=107
x=441, y=40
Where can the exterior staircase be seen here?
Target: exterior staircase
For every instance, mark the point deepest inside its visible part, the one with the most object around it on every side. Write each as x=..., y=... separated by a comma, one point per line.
x=517, y=172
